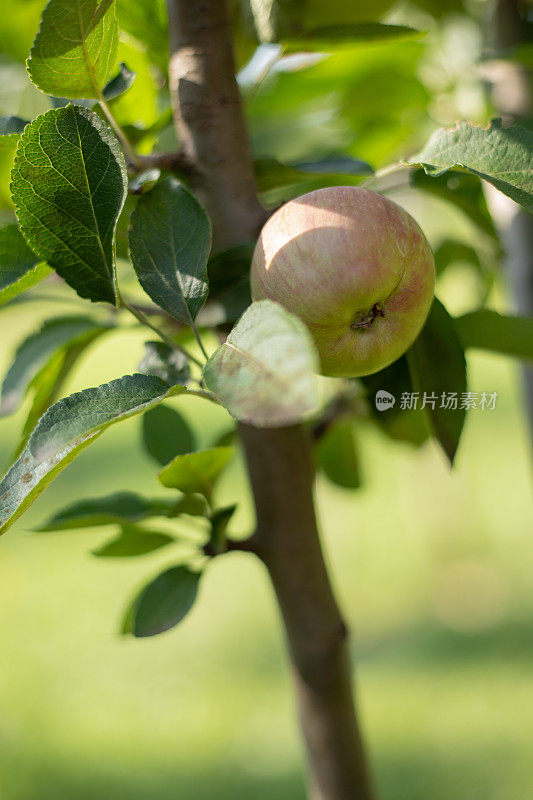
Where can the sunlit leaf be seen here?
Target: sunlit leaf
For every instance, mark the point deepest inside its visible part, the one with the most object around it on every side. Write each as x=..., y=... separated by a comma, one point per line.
x=488, y=330
x=196, y=473
x=75, y=50
x=10, y=130
x=19, y=266
x=502, y=156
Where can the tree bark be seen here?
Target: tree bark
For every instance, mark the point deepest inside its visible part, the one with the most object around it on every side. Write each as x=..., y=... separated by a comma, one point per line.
x=211, y=128
x=512, y=93
x=209, y=118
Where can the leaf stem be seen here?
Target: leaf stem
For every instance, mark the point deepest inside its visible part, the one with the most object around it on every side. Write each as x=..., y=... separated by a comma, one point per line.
x=129, y=151
x=162, y=335
x=199, y=340
x=205, y=395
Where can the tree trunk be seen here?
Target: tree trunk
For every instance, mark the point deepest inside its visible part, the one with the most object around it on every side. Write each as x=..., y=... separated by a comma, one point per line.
x=512, y=91
x=210, y=125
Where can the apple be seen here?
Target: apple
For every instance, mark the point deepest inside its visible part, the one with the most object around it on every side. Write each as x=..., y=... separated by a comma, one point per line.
x=355, y=268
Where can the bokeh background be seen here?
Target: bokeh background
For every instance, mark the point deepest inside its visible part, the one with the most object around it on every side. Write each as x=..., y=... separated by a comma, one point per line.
x=432, y=567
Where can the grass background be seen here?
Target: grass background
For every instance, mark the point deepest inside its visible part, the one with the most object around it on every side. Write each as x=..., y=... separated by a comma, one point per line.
x=433, y=570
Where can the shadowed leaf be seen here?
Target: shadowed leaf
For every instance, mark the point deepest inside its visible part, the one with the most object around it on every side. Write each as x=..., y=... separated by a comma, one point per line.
x=68, y=428
x=166, y=434
x=170, y=239
x=163, y=603
x=119, y=507
x=69, y=185
x=164, y=362
x=121, y=82
x=133, y=541
x=437, y=366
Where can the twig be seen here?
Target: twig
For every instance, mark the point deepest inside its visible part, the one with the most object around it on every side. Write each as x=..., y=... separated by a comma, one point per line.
x=162, y=335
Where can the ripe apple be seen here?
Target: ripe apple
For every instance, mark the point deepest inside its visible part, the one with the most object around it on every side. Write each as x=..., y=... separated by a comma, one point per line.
x=355, y=267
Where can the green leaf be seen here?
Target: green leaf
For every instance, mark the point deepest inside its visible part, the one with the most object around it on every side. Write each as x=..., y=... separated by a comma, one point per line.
x=10, y=130
x=68, y=428
x=400, y=424
x=120, y=507
x=147, y=21
x=265, y=372
x=272, y=175
x=488, y=330
x=122, y=81
x=48, y=384
x=164, y=362
x=338, y=455
x=170, y=239
x=196, y=473
x=75, y=50
x=166, y=434
x=437, y=366
x=451, y=251
x=133, y=541
x=502, y=156
x=19, y=267
x=331, y=37
x=163, y=603
x=38, y=350
x=69, y=185
x=218, y=523
x=229, y=285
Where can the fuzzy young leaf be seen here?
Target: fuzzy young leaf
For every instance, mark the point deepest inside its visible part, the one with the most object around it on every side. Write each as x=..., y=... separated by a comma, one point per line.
x=19, y=266
x=488, y=330
x=166, y=434
x=502, y=156
x=133, y=541
x=120, y=83
x=37, y=352
x=75, y=50
x=120, y=507
x=10, y=130
x=69, y=185
x=163, y=603
x=170, y=240
x=68, y=428
x=164, y=362
x=196, y=473
x=437, y=365
x=265, y=372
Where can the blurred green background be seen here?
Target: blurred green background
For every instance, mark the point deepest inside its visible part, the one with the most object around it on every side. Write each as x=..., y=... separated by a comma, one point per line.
x=432, y=567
